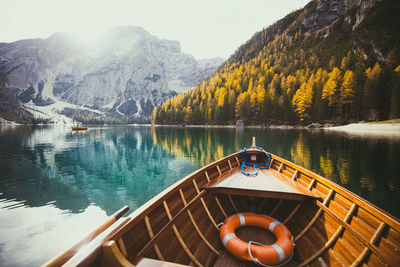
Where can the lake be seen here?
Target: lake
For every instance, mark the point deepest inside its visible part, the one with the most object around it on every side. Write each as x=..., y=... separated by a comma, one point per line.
x=57, y=185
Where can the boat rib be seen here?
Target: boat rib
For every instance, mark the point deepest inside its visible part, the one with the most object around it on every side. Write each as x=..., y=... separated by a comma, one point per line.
x=331, y=225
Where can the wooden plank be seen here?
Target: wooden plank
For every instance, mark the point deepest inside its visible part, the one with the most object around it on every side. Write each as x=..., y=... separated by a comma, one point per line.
x=357, y=235
x=183, y=196
x=333, y=238
x=233, y=203
x=324, y=248
x=198, y=229
x=378, y=233
x=122, y=247
x=195, y=186
x=337, y=209
x=272, y=162
x=185, y=248
x=311, y=184
x=149, y=244
x=244, y=203
x=265, y=184
x=205, y=206
x=314, y=219
x=363, y=228
x=151, y=235
x=257, y=193
x=219, y=171
x=167, y=210
x=344, y=251
x=146, y=262
x=276, y=207
x=237, y=161
x=220, y=206
x=209, y=214
x=178, y=236
x=372, y=209
x=261, y=205
x=280, y=167
x=229, y=163
x=292, y=213
x=366, y=250
x=207, y=177
x=112, y=256
x=295, y=175
x=350, y=213
x=201, y=234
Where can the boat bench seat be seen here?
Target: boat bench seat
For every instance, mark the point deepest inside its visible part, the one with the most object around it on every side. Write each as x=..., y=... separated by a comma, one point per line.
x=268, y=183
x=146, y=262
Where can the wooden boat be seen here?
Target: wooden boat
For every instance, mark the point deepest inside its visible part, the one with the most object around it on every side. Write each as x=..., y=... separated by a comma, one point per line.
x=180, y=226
x=79, y=128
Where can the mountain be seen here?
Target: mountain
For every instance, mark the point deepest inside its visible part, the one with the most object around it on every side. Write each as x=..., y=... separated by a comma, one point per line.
x=331, y=61
x=123, y=73
x=10, y=108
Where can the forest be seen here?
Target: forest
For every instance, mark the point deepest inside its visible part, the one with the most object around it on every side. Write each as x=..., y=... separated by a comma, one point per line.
x=286, y=74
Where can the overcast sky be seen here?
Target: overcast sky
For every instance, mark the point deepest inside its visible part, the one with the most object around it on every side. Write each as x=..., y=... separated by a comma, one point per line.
x=205, y=28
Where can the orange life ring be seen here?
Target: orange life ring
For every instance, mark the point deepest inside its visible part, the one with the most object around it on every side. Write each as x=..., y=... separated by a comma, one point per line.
x=277, y=253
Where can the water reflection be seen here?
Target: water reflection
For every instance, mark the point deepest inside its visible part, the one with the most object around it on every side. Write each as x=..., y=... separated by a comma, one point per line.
x=109, y=167
x=30, y=235
x=367, y=165
x=58, y=184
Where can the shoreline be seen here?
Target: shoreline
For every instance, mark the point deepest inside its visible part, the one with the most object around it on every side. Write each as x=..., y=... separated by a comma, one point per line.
x=391, y=127
x=373, y=128
x=368, y=128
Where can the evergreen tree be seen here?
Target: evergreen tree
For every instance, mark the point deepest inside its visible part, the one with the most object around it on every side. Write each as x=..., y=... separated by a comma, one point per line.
x=370, y=94
x=395, y=95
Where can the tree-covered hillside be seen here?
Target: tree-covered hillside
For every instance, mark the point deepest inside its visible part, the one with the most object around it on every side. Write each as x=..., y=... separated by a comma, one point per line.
x=330, y=61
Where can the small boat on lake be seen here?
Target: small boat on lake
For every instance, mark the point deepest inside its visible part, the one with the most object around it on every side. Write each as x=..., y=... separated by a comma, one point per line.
x=79, y=128
x=247, y=209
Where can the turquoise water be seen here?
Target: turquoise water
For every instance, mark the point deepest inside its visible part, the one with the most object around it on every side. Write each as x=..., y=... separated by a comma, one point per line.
x=56, y=185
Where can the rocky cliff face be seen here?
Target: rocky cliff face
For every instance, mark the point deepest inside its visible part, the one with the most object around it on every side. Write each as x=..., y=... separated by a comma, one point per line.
x=127, y=71
x=323, y=14
x=9, y=104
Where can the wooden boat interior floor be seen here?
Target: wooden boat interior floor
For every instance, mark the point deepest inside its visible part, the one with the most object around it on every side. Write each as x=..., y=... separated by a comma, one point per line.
x=267, y=183
x=247, y=233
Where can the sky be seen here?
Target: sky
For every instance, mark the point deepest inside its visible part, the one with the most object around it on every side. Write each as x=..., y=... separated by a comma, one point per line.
x=205, y=28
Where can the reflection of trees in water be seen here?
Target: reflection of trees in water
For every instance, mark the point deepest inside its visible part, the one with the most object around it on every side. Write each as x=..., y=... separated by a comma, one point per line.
x=300, y=152
x=109, y=167
x=325, y=162
x=199, y=145
x=365, y=166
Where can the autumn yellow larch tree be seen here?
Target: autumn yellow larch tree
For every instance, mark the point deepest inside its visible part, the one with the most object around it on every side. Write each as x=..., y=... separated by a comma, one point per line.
x=302, y=100
x=331, y=88
x=347, y=90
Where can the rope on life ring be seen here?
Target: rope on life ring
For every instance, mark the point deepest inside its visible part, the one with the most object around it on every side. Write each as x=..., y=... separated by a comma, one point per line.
x=276, y=254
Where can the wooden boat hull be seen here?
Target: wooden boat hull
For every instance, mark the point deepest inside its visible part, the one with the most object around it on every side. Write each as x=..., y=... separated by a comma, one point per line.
x=331, y=225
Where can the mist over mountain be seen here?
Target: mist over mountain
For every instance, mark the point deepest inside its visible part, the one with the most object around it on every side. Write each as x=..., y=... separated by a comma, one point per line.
x=123, y=73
